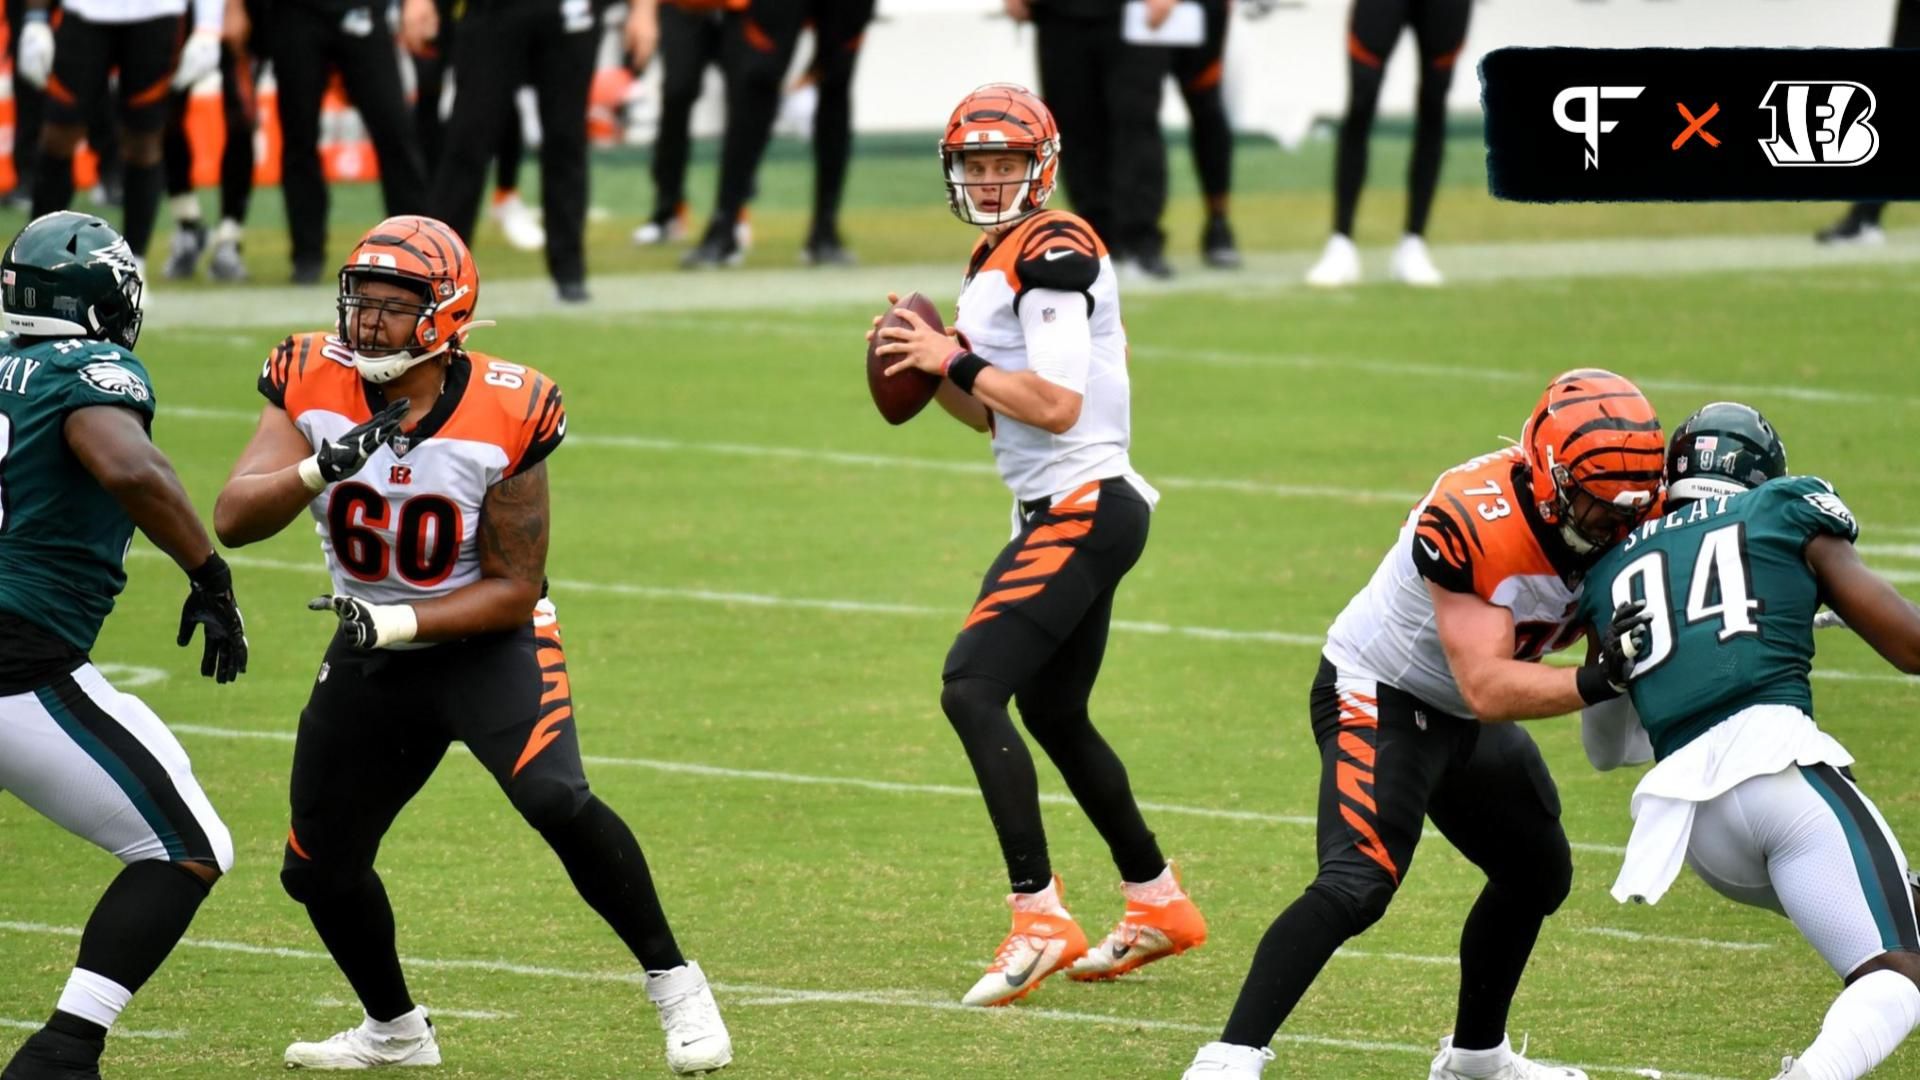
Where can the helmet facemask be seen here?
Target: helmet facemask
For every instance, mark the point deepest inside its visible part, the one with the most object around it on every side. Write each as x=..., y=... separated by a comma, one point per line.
x=1029, y=194
x=379, y=361
x=1589, y=522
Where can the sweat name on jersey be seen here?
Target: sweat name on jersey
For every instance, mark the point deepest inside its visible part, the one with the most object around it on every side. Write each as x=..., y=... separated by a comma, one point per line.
x=1732, y=602
x=1475, y=532
x=1045, y=285
x=406, y=527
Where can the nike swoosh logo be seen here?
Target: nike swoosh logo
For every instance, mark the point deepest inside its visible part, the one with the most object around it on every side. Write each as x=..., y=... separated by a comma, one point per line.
x=1120, y=951
x=1021, y=978
x=1432, y=552
x=1057, y=253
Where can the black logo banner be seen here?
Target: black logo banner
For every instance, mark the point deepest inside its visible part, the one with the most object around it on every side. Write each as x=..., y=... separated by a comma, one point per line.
x=1686, y=125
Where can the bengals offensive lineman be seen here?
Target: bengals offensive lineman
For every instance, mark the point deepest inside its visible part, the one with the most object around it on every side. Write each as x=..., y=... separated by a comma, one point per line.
x=1041, y=364
x=424, y=467
x=1418, y=674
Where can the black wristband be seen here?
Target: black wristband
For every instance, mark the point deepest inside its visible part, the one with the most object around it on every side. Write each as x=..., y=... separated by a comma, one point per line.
x=212, y=575
x=965, y=368
x=1593, y=684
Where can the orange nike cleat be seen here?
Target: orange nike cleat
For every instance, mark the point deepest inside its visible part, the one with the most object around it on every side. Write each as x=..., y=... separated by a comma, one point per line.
x=1161, y=921
x=1044, y=939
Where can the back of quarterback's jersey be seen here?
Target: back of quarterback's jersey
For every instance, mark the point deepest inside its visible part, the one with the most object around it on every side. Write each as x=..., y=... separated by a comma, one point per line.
x=1732, y=601
x=405, y=528
x=63, y=538
x=1054, y=251
x=1475, y=532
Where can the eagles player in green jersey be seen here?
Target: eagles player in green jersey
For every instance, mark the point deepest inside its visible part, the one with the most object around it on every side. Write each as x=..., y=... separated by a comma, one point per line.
x=78, y=473
x=1718, y=597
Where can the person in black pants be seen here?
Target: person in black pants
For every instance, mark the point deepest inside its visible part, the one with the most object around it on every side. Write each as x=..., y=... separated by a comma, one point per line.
x=1861, y=223
x=1439, y=31
x=757, y=47
x=430, y=67
x=691, y=36
x=550, y=45
x=29, y=103
x=1198, y=72
x=1106, y=94
x=307, y=40
x=240, y=111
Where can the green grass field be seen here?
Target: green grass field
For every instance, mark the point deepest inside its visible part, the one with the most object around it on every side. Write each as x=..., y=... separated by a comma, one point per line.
x=759, y=580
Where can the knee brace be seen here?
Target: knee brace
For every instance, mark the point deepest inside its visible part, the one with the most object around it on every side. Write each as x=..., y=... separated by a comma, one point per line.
x=1354, y=898
x=306, y=880
x=547, y=802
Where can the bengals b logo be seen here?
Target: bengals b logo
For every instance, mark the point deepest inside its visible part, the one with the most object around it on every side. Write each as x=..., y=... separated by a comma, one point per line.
x=1820, y=123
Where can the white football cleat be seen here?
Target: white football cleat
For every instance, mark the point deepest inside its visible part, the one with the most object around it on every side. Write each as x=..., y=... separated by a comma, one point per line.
x=1227, y=1061
x=1339, y=265
x=1516, y=1068
x=1412, y=265
x=1044, y=939
x=516, y=219
x=362, y=1048
x=697, y=1039
x=1790, y=1071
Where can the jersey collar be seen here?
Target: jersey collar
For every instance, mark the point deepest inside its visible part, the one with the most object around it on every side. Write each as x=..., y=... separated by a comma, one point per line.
x=459, y=370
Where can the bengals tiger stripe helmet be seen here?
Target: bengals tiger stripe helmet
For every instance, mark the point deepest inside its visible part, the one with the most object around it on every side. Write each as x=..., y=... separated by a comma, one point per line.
x=428, y=257
x=1003, y=117
x=1594, y=434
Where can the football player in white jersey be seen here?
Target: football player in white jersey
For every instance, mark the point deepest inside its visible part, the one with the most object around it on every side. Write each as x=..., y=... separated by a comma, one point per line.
x=142, y=40
x=424, y=467
x=1420, y=679
x=1039, y=361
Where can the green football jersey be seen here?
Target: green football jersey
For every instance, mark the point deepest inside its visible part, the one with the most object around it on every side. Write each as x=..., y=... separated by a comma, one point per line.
x=1732, y=601
x=63, y=538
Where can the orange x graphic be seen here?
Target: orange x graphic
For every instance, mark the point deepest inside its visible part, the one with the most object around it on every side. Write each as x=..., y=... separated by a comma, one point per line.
x=1697, y=125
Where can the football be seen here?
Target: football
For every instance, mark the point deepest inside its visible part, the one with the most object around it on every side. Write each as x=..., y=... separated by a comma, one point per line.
x=901, y=396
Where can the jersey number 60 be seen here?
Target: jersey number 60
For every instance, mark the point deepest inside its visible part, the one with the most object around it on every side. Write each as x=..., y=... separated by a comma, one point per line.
x=426, y=535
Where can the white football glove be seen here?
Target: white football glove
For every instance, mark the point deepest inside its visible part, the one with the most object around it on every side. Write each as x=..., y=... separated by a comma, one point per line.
x=35, y=58
x=1827, y=620
x=370, y=626
x=199, y=58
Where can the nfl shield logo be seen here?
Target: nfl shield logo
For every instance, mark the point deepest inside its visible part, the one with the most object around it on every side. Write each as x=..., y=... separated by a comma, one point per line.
x=6, y=277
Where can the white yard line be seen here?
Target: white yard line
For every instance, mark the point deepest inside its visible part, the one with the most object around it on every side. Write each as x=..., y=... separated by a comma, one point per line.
x=868, y=607
x=439, y=1011
x=779, y=995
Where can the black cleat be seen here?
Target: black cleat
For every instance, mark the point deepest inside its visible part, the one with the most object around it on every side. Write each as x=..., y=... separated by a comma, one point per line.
x=827, y=251
x=571, y=292
x=55, y=1055
x=1217, y=246
x=1852, y=230
x=720, y=247
x=306, y=271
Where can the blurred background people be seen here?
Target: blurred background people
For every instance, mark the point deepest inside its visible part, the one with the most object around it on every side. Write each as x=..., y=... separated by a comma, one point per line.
x=1439, y=32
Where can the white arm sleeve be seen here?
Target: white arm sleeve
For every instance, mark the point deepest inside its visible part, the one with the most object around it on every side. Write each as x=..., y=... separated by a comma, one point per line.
x=1611, y=733
x=1059, y=340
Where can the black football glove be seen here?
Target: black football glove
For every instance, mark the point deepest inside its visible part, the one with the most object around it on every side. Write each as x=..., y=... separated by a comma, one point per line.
x=369, y=626
x=342, y=457
x=210, y=604
x=1610, y=671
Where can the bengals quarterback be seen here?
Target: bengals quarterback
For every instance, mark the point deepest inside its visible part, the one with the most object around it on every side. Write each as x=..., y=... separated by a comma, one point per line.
x=1419, y=677
x=1040, y=363
x=424, y=468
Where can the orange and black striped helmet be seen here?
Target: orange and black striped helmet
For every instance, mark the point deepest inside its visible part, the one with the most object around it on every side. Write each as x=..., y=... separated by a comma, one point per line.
x=427, y=256
x=1594, y=434
x=1008, y=118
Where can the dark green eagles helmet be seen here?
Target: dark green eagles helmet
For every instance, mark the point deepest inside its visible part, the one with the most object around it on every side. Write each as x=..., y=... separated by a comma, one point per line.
x=1723, y=449
x=71, y=275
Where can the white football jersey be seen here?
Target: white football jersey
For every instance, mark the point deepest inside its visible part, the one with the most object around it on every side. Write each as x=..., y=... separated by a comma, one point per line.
x=1014, y=290
x=406, y=527
x=115, y=12
x=1472, y=533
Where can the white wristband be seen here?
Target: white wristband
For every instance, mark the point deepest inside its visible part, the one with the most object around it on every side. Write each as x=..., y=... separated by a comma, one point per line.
x=393, y=624
x=310, y=474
